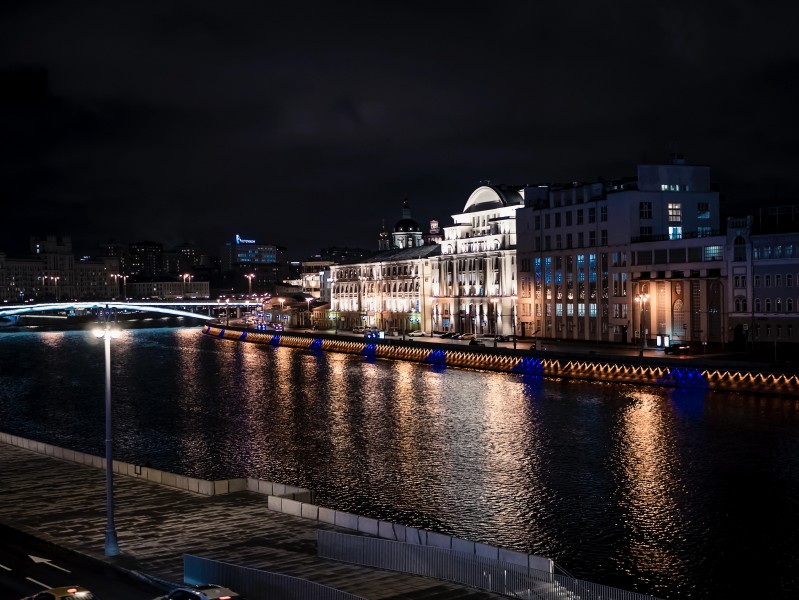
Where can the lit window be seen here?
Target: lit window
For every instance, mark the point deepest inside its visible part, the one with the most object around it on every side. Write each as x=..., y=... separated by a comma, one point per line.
x=713, y=253
x=675, y=212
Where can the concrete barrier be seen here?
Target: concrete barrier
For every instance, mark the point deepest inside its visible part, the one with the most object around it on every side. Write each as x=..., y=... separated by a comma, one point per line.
x=294, y=501
x=165, y=478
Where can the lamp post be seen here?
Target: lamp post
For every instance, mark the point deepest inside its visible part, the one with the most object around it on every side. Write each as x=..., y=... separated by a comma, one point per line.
x=249, y=277
x=55, y=279
x=641, y=298
x=186, y=276
x=494, y=302
x=513, y=308
x=124, y=279
x=227, y=312
x=281, y=300
x=308, y=311
x=106, y=331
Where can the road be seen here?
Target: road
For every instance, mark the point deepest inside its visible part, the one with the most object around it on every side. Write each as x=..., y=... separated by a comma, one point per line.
x=29, y=565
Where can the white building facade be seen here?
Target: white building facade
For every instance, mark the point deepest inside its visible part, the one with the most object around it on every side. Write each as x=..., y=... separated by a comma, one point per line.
x=473, y=280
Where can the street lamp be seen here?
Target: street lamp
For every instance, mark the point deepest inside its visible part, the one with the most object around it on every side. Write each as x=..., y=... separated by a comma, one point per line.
x=55, y=279
x=281, y=300
x=106, y=331
x=227, y=312
x=308, y=312
x=514, y=309
x=124, y=279
x=642, y=298
x=249, y=277
x=186, y=276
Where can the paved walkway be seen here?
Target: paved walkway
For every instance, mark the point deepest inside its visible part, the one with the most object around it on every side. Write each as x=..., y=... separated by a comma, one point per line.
x=64, y=503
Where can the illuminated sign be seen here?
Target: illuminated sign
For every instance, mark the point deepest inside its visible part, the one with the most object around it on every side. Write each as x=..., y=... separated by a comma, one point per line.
x=239, y=240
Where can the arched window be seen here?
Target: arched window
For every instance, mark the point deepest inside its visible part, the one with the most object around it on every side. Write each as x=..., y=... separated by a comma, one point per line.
x=757, y=304
x=757, y=281
x=778, y=305
x=768, y=304
x=789, y=304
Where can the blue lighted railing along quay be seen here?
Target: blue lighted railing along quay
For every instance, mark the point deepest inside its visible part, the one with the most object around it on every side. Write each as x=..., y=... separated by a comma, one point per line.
x=619, y=369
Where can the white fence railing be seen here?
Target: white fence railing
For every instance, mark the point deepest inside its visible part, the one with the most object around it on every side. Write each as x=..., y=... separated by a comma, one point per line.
x=255, y=584
x=499, y=577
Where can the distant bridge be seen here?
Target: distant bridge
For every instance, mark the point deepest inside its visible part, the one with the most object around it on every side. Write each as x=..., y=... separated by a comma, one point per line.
x=151, y=306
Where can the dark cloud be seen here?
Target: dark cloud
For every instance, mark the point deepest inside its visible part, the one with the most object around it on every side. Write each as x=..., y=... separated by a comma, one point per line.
x=308, y=124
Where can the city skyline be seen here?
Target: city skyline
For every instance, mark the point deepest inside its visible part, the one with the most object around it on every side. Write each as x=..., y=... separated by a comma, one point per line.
x=188, y=123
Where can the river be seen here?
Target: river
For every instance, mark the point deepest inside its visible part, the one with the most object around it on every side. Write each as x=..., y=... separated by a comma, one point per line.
x=680, y=495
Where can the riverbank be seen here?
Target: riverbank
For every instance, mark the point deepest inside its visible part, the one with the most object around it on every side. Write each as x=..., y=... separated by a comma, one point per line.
x=694, y=373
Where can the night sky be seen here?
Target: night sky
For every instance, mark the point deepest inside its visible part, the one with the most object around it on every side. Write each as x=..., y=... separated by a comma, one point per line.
x=307, y=124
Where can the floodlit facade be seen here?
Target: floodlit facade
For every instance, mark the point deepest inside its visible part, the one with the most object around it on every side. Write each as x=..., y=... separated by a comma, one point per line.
x=637, y=259
x=387, y=291
x=472, y=287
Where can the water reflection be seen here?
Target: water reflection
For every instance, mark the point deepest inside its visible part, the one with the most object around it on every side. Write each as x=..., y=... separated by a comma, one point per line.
x=652, y=484
x=641, y=488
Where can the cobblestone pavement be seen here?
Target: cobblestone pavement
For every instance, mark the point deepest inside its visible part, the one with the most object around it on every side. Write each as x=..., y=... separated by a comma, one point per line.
x=64, y=503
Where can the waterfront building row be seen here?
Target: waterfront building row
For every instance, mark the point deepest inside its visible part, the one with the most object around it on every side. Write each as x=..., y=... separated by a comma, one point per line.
x=642, y=260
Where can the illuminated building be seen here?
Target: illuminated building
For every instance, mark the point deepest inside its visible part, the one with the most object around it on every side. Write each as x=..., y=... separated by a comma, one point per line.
x=611, y=261
x=472, y=284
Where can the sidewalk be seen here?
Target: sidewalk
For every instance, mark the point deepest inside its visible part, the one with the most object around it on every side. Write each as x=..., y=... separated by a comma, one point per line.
x=64, y=503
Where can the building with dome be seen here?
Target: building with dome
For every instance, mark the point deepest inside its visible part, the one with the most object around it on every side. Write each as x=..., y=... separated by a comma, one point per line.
x=388, y=289
x=406, y=232
x=465, y=283
x=473, y=279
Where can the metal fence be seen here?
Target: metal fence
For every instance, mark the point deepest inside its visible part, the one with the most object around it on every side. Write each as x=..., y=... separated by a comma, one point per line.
x=510, y=580
x=255, y=584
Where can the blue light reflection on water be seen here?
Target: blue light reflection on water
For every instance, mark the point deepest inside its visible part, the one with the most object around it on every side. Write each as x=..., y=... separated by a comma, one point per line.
x=666, y=491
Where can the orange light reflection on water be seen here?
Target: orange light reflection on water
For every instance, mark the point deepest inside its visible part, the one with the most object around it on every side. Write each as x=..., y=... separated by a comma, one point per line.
x=649, y=462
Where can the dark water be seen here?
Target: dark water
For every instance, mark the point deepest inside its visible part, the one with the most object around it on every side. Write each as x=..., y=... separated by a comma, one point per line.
x=677, y=495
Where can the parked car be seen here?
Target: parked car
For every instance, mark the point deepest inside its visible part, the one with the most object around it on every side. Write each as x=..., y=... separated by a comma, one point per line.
x=72, y=592
x=476, y=342
x=467, y=336
x=358, y=329
x=201, y=592
x=448, y=335
x=677, y=349
x=416, y=333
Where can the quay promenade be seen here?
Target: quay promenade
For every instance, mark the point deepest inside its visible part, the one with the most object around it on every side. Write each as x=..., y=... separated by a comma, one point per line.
x=64, y=502
x=557, y=359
